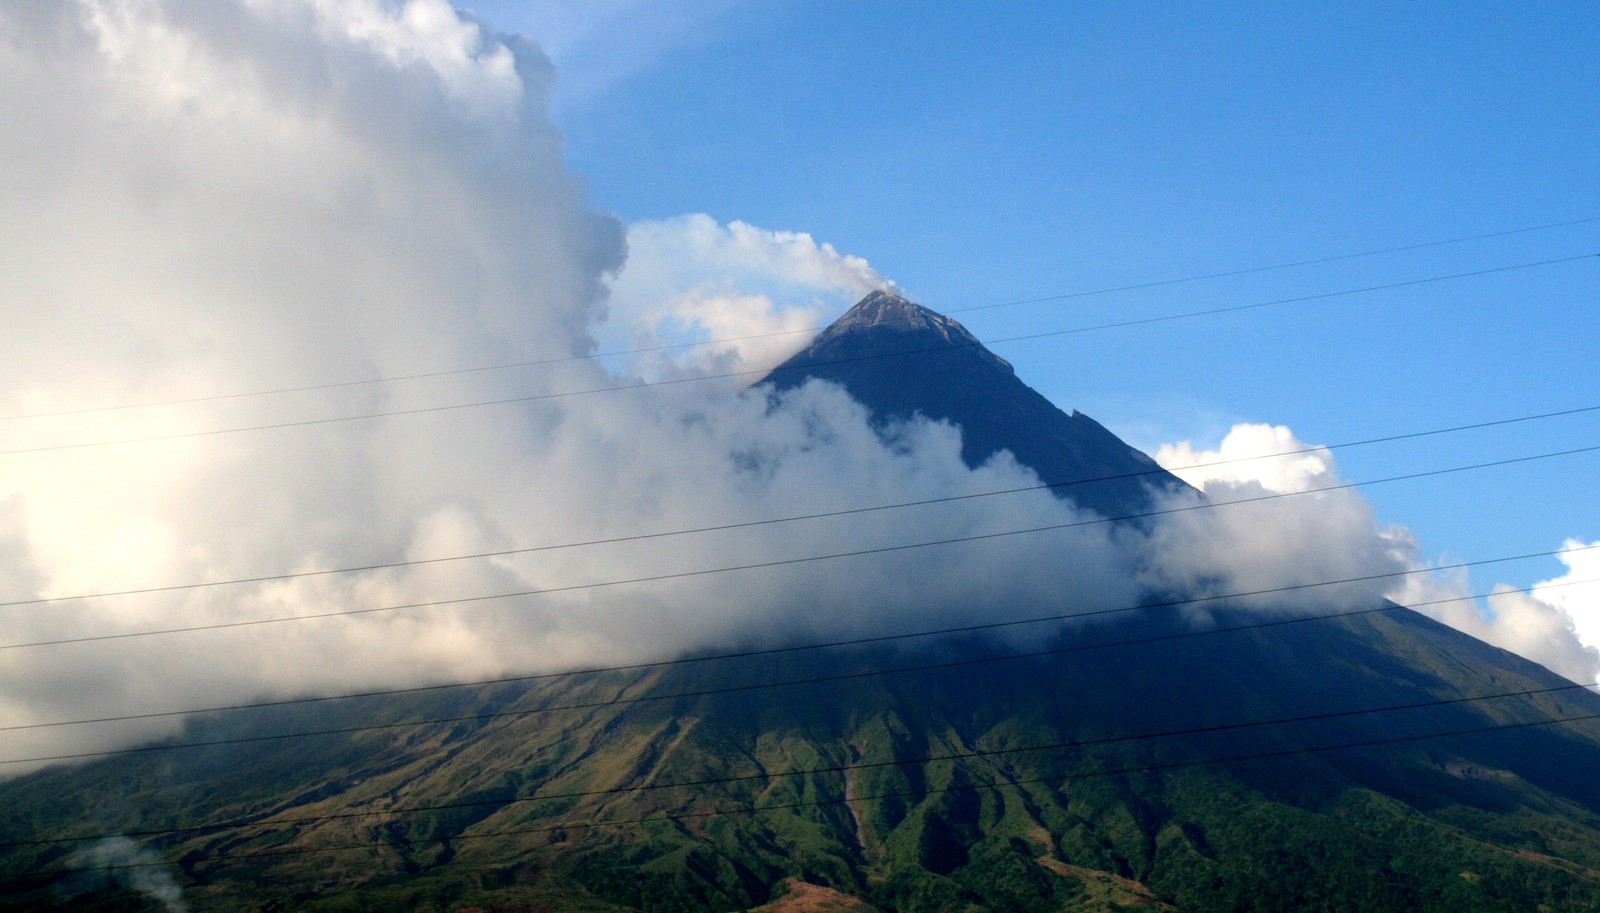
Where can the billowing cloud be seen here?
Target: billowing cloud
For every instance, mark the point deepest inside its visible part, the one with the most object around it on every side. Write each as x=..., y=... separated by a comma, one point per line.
x=1521, y=622
x=1268, y=456
x=1546, y=623
x=1266, y=542
x=747, y=295
x=1577, y=592
x=1324, y=534
x=215, y=199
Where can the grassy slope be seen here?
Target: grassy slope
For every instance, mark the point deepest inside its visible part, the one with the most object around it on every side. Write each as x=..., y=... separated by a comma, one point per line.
x=1505, y=821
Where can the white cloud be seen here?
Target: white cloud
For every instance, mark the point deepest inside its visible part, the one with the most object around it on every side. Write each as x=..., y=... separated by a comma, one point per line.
x=248, y=195
x=1333, y=534
x=1523, y=623
x=1577, y=592
x=1553, y=623
x=1265, y=542
x=207, y=198
x=750, y=292
x=1250, y=453
x=471, y=66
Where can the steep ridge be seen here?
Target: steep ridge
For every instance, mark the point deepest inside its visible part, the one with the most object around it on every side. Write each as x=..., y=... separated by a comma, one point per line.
x=900, y=359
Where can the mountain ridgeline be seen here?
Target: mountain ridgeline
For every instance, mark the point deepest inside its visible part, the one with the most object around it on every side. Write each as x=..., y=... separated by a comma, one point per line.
x=1373, y=761
x=900, y=359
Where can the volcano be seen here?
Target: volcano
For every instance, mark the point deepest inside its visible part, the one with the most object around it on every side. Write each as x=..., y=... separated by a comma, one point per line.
x=1369, y=759
x=901, y=360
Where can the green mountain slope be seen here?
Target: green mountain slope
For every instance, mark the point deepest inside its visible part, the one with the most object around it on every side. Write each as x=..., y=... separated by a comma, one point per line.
x=717, y=801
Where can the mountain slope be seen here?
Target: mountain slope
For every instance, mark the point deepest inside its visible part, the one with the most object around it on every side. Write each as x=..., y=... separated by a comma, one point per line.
x=900, y=359
x=1493, y=820
x=1372, y=761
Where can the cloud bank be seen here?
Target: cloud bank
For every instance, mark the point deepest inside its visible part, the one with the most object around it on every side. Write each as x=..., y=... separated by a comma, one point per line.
x=223, y=198
x=1330, y=535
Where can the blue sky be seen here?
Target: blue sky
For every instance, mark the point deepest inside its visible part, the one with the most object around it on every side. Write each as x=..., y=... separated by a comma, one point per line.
x=984, y=155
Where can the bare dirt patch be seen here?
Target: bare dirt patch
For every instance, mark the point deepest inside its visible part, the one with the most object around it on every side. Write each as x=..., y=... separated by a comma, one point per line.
x=800, y=897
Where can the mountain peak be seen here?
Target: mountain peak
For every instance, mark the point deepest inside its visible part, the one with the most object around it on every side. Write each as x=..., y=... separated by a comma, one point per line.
x=886, y=324
x=886, y=310
x=901, y=360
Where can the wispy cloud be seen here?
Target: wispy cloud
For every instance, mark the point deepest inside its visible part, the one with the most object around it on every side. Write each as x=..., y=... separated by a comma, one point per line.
x=120, y=860
x=600, y=43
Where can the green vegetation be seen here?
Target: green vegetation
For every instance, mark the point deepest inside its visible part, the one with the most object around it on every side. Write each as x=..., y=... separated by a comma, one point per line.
x=1479, y=823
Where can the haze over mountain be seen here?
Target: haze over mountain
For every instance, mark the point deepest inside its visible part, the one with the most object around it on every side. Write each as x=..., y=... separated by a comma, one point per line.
x=1364, y=759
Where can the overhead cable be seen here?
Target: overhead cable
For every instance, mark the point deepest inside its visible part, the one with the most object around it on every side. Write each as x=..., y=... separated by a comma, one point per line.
x=760, y=686
x=745, y=524
x=642, y=384
x=787, y=562
x=305, y=388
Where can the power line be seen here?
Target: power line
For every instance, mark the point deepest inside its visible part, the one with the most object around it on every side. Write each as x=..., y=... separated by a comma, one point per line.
x=1265, y=269
x=724, y=527
x=586, y=824
x=539, y=397
x=733, y=689
x=789, y=562
x=748, y=654
x=305, y=388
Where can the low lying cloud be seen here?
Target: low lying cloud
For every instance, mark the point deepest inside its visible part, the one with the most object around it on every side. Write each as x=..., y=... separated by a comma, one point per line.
x=1546, y=623
x=231, y=197
x=1266, y=542
x=121, y=861
x=1332, y=535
